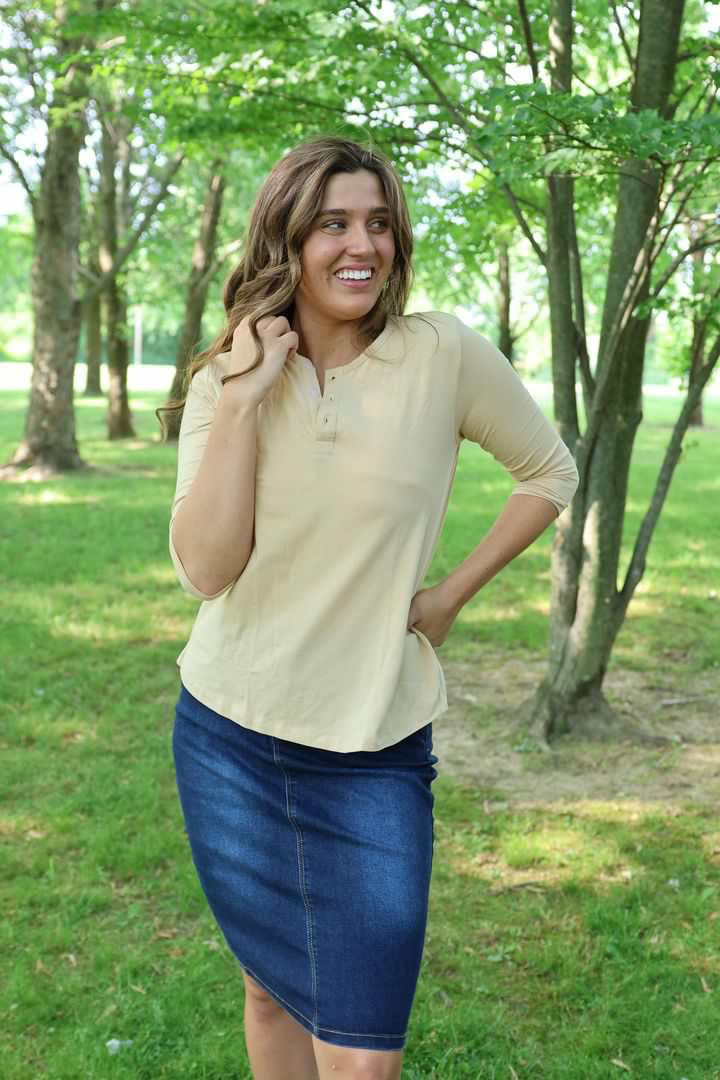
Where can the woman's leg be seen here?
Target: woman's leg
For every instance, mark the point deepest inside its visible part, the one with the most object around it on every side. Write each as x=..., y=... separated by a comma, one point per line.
x=342, y=1063
x=278, y=1047
x=281, y=1049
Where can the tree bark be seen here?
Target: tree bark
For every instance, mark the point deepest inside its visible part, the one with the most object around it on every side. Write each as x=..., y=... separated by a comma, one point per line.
x=587, y=607
x=197, y=289
x=506, y=338
x=93, y=341
x=699, y=333
x=558, y=222
x=49, y=443
x=114, y=215
x=697, y=352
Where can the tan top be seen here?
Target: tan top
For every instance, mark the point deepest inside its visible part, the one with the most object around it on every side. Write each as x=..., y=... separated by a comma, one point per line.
x=310, y=643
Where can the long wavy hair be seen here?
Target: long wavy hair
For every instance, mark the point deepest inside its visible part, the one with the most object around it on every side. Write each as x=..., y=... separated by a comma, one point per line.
x=265, y=280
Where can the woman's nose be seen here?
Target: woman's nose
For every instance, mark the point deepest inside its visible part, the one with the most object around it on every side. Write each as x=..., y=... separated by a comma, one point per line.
x=359, y=239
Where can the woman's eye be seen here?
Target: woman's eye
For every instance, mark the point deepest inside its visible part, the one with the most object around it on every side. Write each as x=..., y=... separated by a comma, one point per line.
x=378, y=221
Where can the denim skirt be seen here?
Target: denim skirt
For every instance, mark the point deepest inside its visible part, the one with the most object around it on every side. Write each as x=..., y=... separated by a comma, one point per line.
x=316, y=865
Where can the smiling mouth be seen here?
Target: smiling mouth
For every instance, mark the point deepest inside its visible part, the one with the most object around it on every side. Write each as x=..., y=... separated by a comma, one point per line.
x=356, y=279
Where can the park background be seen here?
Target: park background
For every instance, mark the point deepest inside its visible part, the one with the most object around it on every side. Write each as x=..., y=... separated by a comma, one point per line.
x=561, y=164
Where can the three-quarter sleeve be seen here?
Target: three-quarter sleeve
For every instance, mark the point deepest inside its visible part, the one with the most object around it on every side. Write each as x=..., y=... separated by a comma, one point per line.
x=495, y=410
x=197, y=417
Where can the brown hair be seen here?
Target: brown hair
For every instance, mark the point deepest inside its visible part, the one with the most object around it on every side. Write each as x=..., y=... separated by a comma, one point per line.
x=286, y=207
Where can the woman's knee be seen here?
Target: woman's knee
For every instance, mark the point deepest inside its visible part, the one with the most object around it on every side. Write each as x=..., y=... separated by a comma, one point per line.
x=263, y=1004
x=344, y=1063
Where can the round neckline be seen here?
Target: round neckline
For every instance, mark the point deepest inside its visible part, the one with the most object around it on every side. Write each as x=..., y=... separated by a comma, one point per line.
x=384, y=333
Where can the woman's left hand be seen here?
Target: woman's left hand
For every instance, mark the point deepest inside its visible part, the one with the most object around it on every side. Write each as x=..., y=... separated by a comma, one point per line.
x=432, y=613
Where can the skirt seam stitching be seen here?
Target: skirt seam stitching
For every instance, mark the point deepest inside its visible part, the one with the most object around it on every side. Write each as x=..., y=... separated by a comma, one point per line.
x=307, y=903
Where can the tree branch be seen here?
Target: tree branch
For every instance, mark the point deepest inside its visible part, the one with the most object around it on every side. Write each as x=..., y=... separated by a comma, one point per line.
x=522, y=222
x=605, y=382
x=19, y=173
x=586, y=375
x=529, y=43
x=678, y=260
x=590, y=87
x=469, y=130
x=521, y=333
x=636, y=569
x=623, y=39
x=99, y=283
x=588, y=383
x=220, y=258
x=690, y=190
x=704, y=50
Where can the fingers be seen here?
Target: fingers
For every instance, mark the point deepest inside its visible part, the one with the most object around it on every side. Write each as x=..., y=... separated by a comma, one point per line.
x=273, y=325
x=274, y=331
x=292, y=342
x=269, y=326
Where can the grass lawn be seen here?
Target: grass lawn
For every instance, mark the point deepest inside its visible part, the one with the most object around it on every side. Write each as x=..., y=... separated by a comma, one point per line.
x=609, y=967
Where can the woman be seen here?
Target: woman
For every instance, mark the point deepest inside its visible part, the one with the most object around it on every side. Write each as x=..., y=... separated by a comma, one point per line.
x=317, y=451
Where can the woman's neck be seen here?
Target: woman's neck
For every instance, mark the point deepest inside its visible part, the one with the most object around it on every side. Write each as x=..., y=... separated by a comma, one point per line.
x=329, y=344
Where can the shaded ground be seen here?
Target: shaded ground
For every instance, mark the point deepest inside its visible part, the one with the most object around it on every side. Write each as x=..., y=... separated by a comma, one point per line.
x=476, y=739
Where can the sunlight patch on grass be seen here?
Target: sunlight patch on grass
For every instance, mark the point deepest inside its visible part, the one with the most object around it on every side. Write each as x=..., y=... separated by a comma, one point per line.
x=152, y=574
x=554, y=845
x=70, y=611
x=519, y=851
x=496, y=614
x=696, y=561
x=702, y=963
x=711, y=846
x=22, y=827
x=541, y=607
x=94, y=630
x=534, y=868
x=619, y=811
x=645, y=605
x=47, y=497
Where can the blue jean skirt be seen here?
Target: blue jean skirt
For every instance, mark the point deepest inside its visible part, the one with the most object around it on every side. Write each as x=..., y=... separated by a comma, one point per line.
x=316, y=865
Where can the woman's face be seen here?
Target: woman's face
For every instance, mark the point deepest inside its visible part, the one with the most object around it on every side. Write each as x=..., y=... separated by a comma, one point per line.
x=351, y=232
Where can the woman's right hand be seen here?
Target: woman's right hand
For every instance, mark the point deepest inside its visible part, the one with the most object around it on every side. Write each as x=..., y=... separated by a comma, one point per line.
x=279, y=343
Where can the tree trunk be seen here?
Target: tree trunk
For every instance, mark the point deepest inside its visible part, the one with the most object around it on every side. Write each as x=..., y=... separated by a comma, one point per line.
x=558, y=224
x=506, y=338
x=699, y=329
x=196, y=295
x=93, y=341
x=587, y=607
x=114, y=221
x=49, y=443
x=119, y=418
x=697, y=353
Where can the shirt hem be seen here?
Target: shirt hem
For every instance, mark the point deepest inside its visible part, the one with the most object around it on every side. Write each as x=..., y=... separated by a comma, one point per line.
x=218, y=703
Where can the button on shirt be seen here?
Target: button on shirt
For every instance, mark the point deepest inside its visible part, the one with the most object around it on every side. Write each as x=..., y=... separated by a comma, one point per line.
x=310, y=643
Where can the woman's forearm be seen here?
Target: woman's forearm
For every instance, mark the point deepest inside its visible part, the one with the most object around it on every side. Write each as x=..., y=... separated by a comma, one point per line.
x=522, y=520
x=212, y=532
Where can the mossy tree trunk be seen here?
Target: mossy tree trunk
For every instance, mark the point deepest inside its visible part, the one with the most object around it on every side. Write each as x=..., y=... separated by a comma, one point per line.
x=588, y=608
x=49, y=443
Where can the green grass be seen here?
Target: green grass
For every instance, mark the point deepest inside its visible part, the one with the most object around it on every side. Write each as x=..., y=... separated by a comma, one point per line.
x=568, y=944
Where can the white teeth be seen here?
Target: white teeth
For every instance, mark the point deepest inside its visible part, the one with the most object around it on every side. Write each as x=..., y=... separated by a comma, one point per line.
x=354, y=275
